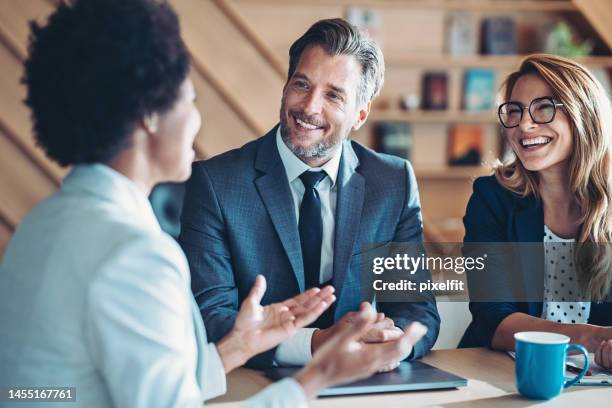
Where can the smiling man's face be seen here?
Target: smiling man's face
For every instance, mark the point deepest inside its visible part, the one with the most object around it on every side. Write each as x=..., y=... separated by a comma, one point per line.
x=319, y=107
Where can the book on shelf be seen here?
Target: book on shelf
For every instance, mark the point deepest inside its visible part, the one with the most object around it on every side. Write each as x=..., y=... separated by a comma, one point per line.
x=461, y=34
x=393, y=137
x=434, y=91
x=465, y=145
x=478, y=89
x=498, y=36
x=367, y=20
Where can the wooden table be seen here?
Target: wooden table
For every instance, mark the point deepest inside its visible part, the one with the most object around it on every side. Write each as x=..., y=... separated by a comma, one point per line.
x=490, y=377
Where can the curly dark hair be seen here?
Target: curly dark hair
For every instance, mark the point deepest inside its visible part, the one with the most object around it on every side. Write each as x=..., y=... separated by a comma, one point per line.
x=95, y=69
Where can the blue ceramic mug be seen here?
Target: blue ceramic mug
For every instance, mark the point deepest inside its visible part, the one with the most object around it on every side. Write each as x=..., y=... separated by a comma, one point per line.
x=540, y=363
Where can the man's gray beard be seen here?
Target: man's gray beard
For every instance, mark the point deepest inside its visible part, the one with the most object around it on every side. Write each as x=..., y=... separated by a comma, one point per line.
x=317, y=151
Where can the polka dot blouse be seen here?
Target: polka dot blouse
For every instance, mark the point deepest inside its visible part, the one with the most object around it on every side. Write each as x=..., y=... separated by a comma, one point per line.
x=560, y=286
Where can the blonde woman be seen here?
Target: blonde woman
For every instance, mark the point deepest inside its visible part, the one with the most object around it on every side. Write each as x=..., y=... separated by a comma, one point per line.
x=558, y=190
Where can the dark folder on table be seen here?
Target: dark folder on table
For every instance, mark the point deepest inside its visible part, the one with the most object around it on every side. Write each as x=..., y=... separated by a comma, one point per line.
x=409, y=376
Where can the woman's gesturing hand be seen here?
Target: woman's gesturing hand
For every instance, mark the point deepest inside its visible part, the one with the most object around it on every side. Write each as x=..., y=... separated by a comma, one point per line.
x=258, y=328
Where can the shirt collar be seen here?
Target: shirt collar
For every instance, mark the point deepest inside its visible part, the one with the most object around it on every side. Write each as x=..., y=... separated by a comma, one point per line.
x=110, y=185
x=294, y=167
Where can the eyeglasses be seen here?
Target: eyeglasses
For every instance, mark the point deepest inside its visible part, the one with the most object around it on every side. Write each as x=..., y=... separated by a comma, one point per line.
x=542, y=110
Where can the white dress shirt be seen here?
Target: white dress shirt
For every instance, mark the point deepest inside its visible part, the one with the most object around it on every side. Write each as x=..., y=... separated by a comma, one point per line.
x=297, y=349
x=94, y=295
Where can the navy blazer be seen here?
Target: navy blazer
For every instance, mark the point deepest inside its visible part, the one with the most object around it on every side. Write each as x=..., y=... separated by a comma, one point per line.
x=494, y=214
x=238, y=221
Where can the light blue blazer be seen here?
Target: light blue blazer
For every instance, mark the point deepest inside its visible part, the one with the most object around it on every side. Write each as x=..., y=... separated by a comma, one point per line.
x=94, y=295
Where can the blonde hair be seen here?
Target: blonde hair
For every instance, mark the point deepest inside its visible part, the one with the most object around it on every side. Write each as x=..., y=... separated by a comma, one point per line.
x=587, y=106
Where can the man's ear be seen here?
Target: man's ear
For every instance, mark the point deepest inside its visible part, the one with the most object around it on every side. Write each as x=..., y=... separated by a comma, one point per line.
x=150, y=123
x=362, y=116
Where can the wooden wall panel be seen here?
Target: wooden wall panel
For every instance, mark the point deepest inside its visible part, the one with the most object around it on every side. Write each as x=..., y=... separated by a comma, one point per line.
x=15, y=15
x=21, y=184
x=221, y=130
x=219, y=46
x=599, y=14
x=26, y=175
x=5, y=236
x=13, y=112
x=14, y=116
x=281, y=24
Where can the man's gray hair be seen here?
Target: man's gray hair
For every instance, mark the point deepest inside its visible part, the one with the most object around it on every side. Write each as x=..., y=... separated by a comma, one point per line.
x=338, y=37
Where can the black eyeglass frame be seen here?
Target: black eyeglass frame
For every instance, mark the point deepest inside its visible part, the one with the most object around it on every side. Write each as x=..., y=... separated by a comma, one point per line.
x=550, y=98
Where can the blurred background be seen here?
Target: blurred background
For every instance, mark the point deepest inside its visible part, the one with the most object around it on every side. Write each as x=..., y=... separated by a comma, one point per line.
x=445, y=61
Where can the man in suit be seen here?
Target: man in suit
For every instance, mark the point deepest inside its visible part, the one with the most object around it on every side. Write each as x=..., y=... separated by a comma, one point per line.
x=298, y=204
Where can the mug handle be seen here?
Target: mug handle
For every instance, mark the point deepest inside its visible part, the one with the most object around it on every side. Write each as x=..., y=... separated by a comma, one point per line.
x=579, y=376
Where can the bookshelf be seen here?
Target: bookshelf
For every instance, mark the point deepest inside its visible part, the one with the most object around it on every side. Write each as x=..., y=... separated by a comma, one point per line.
x=451, y=172
x=477, y=61
x=414, y=35
x=444, y=5
x=434, y=116
x=446, y=188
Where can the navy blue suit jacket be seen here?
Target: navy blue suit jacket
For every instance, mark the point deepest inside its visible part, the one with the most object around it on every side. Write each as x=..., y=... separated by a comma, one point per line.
x=494, y=214
x=238, y=221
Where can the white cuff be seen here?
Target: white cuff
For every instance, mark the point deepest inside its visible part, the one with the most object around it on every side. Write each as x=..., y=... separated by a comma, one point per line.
x=296, y=350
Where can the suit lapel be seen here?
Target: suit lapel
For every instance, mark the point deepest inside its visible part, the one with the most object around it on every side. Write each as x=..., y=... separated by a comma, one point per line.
x=529, y=222
x=529, y=232
x=275, y=193
x=349, y=206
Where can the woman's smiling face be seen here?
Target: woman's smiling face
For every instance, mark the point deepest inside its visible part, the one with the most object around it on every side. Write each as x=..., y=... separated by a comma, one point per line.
x=539, y=146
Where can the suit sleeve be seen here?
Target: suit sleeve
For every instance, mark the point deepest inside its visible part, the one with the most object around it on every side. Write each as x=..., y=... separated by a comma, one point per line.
x=203, y=239
x=205, y=243
x=410, y=229
x=483, y=226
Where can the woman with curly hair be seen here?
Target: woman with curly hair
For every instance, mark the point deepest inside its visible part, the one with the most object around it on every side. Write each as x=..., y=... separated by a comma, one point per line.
x=557, y=189
x=93, y=294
